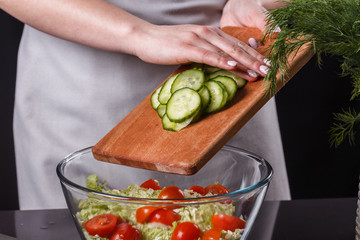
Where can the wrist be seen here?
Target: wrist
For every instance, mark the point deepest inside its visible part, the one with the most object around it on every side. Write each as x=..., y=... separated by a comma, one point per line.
x=130, y=36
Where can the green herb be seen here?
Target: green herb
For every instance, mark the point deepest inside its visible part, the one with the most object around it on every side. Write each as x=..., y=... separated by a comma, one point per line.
x=333, y=28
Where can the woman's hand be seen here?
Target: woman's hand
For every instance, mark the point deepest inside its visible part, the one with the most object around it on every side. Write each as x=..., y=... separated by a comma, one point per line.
x=247, y=13
x=99, y=24
x=192, y=43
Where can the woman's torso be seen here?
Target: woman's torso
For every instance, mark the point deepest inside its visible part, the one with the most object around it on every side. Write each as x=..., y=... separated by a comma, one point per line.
x=68, y=96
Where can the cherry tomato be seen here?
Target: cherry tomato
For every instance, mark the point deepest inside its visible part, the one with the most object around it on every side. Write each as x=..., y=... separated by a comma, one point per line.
x=200, y=190
x=124, y=231
x=186, y=231
x=227, y=222
x=216, y=189
x=171, y=192
x=212, y=234
x=164, y=216
x=101, y=225
x=151, y=184
x=143, y=213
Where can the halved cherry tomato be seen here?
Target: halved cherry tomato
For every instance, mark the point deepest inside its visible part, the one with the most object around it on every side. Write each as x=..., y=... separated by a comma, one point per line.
x=186, y=231
x=216, y=189
x=212, y=234
x=143, y=213
x=227, y=222
x=164, y=216
x=102, y=225
x=151, y=184
x=171, y=192
x=200, y=190
x=124, y=231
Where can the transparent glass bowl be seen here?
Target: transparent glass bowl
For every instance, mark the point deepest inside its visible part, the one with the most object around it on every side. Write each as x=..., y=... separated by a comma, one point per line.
x=246, y=175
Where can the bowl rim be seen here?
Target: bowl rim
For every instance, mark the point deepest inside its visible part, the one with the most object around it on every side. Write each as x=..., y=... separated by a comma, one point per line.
x=108, y=196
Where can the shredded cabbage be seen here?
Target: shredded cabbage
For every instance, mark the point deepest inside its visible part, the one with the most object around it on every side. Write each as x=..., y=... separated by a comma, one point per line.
x=199, y=214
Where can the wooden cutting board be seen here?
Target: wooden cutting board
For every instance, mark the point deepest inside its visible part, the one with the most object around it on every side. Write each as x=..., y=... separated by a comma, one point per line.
x=139, y=140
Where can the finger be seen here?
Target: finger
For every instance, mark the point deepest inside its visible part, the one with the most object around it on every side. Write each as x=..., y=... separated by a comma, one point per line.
x=208, y=53
x=218, y=59
x=234, y=41
x=246, y=75
x=247, y=57
x=211, y=56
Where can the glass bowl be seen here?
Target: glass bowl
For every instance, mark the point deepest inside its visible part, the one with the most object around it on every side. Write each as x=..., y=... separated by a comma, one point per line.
x=244, y=174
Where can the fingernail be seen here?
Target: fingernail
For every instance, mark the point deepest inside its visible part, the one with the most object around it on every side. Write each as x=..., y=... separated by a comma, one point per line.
x=231, y=63
x=267, y=62
x=264, y=69
x=253, y=42
x=252, y=73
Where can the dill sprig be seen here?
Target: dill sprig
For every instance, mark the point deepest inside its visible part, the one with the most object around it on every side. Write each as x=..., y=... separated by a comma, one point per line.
x=344, y=127
x=332, y=27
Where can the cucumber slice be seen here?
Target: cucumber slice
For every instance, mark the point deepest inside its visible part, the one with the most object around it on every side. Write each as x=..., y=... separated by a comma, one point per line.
x=173, y=126
x=183, y=104
x=197, y=116
x=240, y=82
x=161, y=109
x=154, y=98
x=197, y=65
x=226, y=95
x=205, y=97
x=217, y=93
x=192, y=78
x=165, y=92
x=210, y=69
x=229, y=84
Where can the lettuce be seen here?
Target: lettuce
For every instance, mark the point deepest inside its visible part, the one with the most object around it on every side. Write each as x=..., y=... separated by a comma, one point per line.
x=199, y=214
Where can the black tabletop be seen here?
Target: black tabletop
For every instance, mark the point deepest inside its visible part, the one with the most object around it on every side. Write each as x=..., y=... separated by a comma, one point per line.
x=312, y=219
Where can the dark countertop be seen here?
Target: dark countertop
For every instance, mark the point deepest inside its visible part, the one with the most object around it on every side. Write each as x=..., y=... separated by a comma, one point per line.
x=310, y=219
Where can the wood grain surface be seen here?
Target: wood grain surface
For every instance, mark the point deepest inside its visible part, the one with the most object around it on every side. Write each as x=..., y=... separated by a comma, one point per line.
x=139, y=140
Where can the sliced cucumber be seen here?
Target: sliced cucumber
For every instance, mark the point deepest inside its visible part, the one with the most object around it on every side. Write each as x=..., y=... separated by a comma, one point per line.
x=154, y=98
x=183, y=104
x=210, y=69
x=205, y=97
x=197, y=65
x=240, y=82
x=229, y=84
x=186, y=96
x=217, y=93
x=197, y=116
x=161, y=109
x=192, y=78
x=226, y=95
x=173, y=126
x=165, y=93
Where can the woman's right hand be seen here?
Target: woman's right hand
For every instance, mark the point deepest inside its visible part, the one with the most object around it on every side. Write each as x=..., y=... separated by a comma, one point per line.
x=99, y=24
x=181, y=44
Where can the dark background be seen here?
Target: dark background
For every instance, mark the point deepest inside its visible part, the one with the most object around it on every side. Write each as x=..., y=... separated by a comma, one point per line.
x=305, y=108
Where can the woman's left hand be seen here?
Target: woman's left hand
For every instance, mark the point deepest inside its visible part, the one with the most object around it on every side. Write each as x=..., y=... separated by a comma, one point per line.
x=247, y=13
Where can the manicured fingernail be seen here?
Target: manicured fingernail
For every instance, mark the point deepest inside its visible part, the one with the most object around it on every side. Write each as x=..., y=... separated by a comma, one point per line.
x=267, y=62
x=253, y=43
x=264, y=69
x=231, y=63
x=252, y=73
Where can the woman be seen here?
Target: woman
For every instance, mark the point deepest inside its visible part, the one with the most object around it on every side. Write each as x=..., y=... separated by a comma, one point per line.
x=84, y=64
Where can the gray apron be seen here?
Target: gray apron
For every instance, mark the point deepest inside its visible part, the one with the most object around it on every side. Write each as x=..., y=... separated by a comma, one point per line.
x=68, y=96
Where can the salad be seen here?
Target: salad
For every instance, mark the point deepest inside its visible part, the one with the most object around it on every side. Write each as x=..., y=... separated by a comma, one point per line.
x=103, y=219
